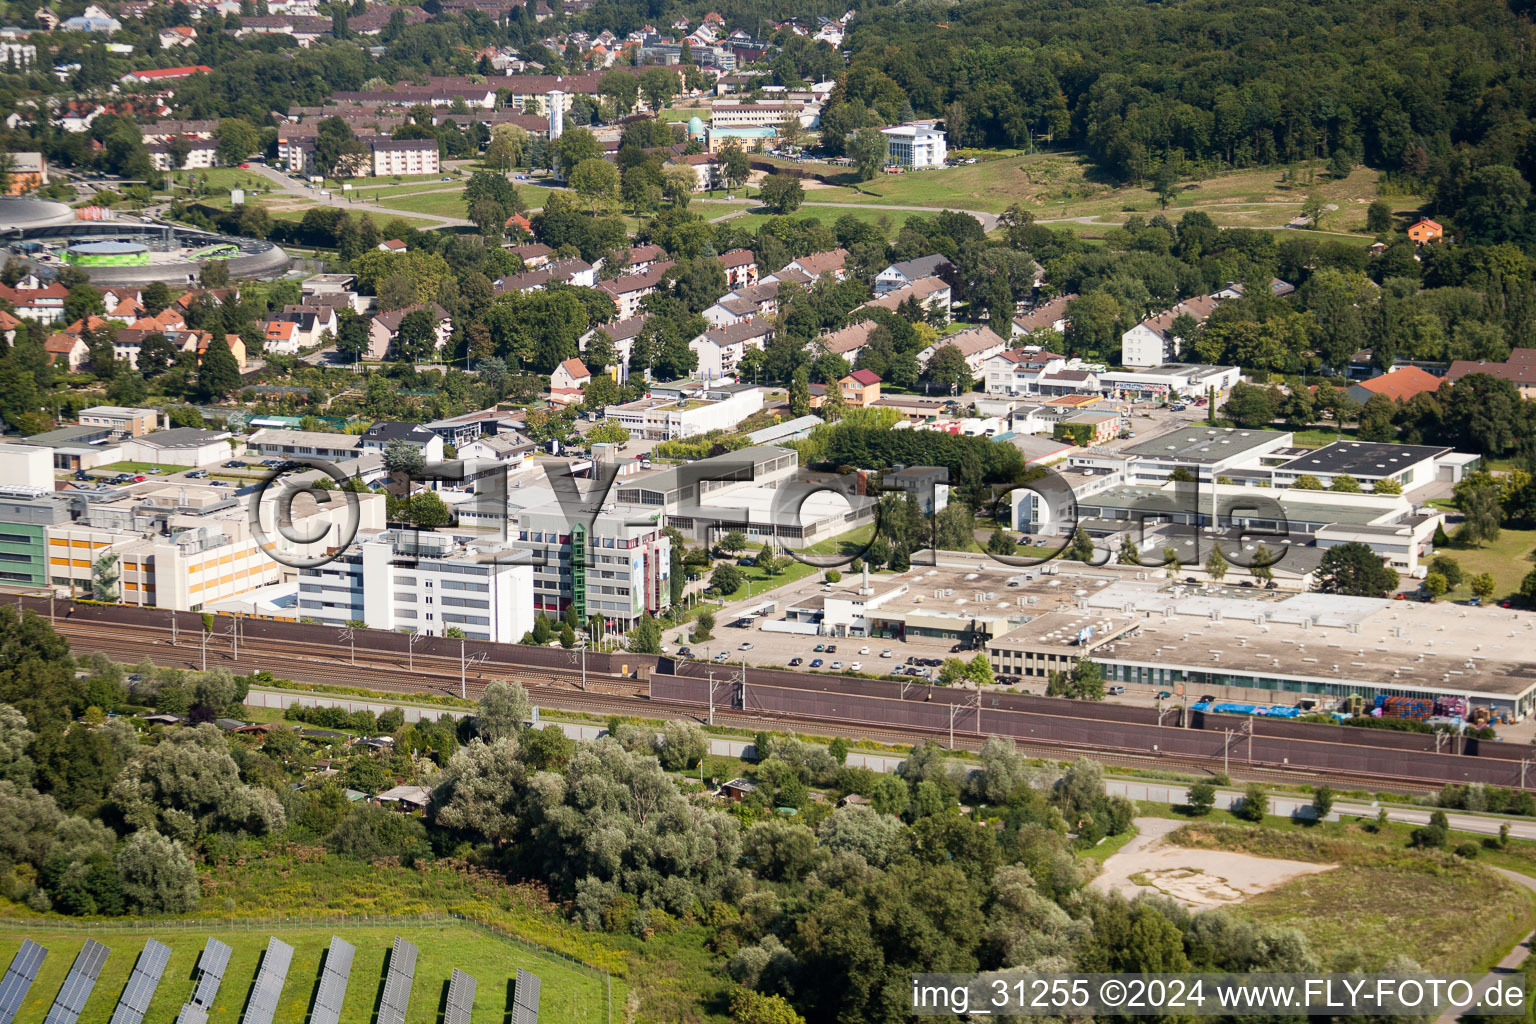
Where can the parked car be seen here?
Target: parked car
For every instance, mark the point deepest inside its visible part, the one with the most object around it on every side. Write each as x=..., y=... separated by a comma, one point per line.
x=796, y=662
x=856, y=666
x=196, y=474
x=138, y=478
x=154, y=471
x=1115, y=691
x=864, y=650
x=836, y=665
x=820, y=648
x=1163, y=695
x=685, y=652
x=815, y=663
x=746, y=645
x=887, y=653
x=831, y=648
x=723, y=656
x=234, y=464
x=1206, y=699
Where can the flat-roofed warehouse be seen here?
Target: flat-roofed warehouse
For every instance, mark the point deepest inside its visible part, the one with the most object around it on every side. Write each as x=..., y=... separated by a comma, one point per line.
x=1270, y=649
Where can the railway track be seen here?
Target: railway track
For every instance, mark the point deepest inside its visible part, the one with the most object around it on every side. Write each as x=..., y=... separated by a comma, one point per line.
x=562, y=689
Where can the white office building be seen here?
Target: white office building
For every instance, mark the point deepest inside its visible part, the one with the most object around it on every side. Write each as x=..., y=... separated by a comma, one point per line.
x=914, y=145
x=419, y=582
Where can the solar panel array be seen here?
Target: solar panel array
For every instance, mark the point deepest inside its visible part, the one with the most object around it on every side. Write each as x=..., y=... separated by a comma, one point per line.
x=78, y=984
x=333, y=982
x=142, y=983
x=18, y=978
x=269, y=983
x=461, y=998
x=397, y=983
x=525, y=998
x=211, y=965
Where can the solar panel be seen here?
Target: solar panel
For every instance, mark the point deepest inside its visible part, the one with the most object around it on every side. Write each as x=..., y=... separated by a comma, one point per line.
x=461, y=998
x=397, y=983
x=269, y=983
x=525, y=999
x=142, y=983
x=78, y=984
x=333, y=982
x=211, y=964
x=18, y=978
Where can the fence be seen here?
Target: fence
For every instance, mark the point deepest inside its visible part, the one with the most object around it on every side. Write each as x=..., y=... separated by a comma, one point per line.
x=192, y=924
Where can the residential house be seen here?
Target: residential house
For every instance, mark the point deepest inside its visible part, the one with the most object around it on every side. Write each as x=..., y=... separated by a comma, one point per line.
x=1154, y=342
x=1018, y=371
x=758, y=300
x=847, y=342
x=629, y=290
x=392, y=245
x=977, y=344
x=34, y=300
x=705, y=168
x=312, y=321
x=385, y=327
x=1426, y=230
x=506, y=447
x=1049, y=315
x=860, y=389
x=67, y=350
x=622, y=334
x=720, y=349
x=177, y=35
x=819, y=264
x=930, y=293
x=1401, y=383
x=8, y=325
x=566, y=382
x=899, y=275
x=281, y=338
x=381, y=435
x=573, y=271
x=740, y=267
x=1519, y=369
x=533, y=254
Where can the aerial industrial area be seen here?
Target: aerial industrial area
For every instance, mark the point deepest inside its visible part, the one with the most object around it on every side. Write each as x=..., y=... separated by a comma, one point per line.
x=553, y=510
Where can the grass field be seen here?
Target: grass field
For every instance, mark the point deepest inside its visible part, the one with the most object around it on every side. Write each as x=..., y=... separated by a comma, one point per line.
x=1056, y=186
x=1509, y=559
x=889, y=221
x=567, y=995
x=380, y=218
x=1442, y=911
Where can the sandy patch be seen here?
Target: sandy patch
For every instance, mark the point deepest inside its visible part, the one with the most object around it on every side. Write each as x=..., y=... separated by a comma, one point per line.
x=1196, y=878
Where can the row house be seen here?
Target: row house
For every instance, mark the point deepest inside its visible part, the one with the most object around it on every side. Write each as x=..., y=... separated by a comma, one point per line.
x=33, y=300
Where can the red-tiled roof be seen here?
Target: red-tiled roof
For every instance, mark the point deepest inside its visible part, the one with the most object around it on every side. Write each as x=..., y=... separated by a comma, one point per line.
x=1402, y=384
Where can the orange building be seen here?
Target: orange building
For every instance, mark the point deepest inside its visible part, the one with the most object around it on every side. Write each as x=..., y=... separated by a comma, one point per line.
x=861, y=389
x=1426, y=230
x=28, y=171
